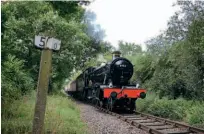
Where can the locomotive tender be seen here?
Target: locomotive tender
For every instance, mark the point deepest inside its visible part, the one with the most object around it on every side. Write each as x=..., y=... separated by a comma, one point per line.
x=108, y=85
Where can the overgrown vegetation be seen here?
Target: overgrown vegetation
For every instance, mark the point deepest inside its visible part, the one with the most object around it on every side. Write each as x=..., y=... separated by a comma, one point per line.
x=62, y=116
x=190, y=111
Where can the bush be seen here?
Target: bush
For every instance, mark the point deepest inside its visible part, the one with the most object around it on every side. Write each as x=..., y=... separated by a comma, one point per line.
x=16, y=81
x=166, y=108
x=195, y=115
x=180, y=109
x=143, y=104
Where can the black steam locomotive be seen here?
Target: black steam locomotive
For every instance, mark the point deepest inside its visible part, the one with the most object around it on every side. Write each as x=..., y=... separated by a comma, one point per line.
x=108, y=85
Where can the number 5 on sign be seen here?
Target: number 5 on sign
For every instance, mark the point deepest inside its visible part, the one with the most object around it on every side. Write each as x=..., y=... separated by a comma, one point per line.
x=47, y=42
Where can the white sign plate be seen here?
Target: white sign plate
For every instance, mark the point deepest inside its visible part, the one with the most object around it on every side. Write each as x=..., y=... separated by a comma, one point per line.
x=47, y=42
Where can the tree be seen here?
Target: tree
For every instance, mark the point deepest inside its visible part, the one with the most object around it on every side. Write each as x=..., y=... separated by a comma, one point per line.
x=173, y=64
x=61, y=20
x=179, y=23
x=129, y=48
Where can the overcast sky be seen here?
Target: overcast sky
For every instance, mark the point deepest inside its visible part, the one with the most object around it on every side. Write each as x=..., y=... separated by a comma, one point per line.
x=132, y=20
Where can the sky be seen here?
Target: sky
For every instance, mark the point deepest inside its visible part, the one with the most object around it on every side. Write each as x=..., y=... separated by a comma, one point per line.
x=132, y=20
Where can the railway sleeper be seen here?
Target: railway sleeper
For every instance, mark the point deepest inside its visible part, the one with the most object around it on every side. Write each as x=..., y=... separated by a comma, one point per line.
x=162, y=127
x=145, y=121
x=154, y=124
x=133, y=118
x=175, y=131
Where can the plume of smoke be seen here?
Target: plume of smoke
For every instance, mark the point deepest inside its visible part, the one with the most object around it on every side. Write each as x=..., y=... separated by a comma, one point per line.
x=93, y=29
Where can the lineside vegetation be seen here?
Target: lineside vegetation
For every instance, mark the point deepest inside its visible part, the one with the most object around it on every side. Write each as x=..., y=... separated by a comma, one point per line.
x=81, y=40
x=172, y=67
x=62, y=116
x=189, y=111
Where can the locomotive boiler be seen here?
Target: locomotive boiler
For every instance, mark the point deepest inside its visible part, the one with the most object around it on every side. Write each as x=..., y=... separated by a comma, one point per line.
x=109, y=85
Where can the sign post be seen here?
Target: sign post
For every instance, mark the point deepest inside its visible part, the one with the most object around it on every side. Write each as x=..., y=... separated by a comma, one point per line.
x=47, y=44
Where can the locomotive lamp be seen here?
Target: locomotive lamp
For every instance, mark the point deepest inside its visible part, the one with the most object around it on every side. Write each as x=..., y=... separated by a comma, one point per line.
x=142, y=95
x=113, y=95
x=116, y=54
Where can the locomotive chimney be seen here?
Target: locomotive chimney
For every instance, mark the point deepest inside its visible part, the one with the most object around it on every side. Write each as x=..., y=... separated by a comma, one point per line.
x=116, y=54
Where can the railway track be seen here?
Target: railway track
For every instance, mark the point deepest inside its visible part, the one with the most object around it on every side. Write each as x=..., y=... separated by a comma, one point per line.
x=155, y=125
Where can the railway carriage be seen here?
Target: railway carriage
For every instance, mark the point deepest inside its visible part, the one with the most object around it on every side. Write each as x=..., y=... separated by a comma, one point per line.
x=109, y=85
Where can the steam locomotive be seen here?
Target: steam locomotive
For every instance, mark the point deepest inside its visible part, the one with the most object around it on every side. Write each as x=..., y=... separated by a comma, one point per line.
x=108, y=85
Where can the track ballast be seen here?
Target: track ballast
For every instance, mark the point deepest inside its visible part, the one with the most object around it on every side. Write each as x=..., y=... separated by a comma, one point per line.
x=155, y=125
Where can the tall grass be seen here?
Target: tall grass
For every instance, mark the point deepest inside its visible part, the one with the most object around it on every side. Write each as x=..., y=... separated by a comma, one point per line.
x=62, y=116
x=189, y=111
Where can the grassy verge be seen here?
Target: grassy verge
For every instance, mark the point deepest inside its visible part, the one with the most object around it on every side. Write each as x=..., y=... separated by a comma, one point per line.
x=62, y=116
x=189, y=111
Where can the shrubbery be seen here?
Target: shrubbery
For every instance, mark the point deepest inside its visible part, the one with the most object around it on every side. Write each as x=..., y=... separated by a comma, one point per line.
x=180, y=109
x=16, y=81
x=195, y=114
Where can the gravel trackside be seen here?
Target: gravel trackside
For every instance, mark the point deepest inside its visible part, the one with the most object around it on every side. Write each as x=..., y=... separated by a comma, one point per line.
x=102, y=123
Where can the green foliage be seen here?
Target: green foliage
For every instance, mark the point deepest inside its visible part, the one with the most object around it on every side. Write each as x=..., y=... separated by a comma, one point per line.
x=178, y=25
x=21, y=61
x=143, y=104
x=165, y=108
x=62, y=116
x=128, y=49
x=16, y=81
x=173, y=65
x=61, y=20
x=180, y=70
x=68, y=10
x=179, y=109
x=195, y=115
x=99, y=59
x=143, y=67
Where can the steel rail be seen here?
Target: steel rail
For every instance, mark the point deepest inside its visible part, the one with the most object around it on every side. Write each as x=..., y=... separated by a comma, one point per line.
x=174, y=123
x=162, y=126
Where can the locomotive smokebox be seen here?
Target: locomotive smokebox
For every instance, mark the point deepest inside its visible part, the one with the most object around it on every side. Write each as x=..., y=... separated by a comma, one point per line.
x=121, y=70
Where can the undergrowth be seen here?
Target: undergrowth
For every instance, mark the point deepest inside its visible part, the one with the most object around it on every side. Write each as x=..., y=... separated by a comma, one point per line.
x=62, y=116
x=189, y=111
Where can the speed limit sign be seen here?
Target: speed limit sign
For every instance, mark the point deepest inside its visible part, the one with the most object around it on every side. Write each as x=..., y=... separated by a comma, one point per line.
x=47, y=42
